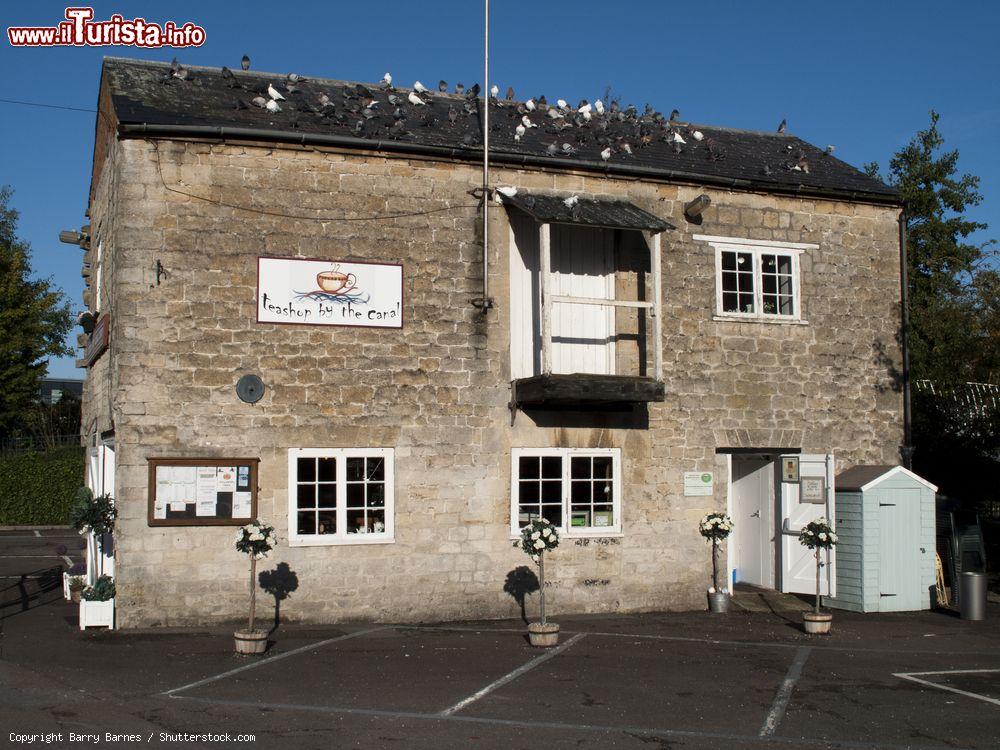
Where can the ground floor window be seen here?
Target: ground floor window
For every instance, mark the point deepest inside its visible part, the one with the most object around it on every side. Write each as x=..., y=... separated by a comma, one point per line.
x=340, y=496
x=577, y=489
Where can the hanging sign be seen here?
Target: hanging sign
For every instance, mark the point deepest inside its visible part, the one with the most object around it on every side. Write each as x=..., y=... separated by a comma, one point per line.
x=329, y=293
x=98, y=341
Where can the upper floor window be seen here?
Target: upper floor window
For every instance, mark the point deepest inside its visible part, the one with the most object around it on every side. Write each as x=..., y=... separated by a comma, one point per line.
x=340, y=496
x=757, y=279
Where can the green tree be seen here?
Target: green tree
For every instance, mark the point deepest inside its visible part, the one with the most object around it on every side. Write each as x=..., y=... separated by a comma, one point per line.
x=34, y=321
x=949, y=286
x=954, y=305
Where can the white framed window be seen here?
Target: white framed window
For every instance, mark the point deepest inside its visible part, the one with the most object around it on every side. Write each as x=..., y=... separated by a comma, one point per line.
x=757, y=279
x=577, y=489
x=340, y=496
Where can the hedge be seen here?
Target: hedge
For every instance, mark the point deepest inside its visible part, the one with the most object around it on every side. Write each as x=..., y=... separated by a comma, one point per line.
x=39, y=488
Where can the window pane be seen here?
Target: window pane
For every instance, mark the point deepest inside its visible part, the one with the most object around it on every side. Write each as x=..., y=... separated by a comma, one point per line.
x=603, y=492
x=769, y=284
x=376, y=494
x=355, y=521
x=355, y=469
x=787, y=306
x=744, y=262
x=728, y=281
x=580, y=493
x=327, y=495
x=767, y=263
x=746, y=303
x=770, y=305
x=785, y=284
x=529, y=492
x=375, y=469
x=551, y=467
x=306, y=469
x=376, y=521
x=306, y=496
x=307, y=522
x=528, y=467
x=553, y=514
x=327, y=469
x=551, y=492
x=745, y=282
x=730, y=302
x=355, y=495
x=327, y=522
x=603, y=516
x=785, y=264
x=729, y=261
x=579, y=467
x=602, y=467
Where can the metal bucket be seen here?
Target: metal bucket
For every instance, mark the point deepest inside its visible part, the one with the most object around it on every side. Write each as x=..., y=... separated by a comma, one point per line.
x=718, y=602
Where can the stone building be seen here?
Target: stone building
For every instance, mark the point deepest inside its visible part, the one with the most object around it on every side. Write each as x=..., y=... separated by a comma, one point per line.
x=674, y=319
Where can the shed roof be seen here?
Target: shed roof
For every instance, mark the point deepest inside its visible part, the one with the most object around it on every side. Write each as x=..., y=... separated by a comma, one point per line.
x=148, y=100
x=587, y=211
x=864, y=477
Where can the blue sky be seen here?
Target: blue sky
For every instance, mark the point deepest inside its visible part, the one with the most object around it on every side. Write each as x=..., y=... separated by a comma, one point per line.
x=859, y=75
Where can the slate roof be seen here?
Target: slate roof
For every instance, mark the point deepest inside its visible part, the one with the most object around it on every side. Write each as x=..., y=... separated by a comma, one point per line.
x=587, y=211
x=147, y=99
x=853, y=479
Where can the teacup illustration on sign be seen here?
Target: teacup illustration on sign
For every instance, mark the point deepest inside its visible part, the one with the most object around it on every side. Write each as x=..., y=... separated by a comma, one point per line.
x=336, y=281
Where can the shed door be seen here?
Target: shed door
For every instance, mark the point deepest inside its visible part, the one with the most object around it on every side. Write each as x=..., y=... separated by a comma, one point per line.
x=899, y=550
x=798, y=563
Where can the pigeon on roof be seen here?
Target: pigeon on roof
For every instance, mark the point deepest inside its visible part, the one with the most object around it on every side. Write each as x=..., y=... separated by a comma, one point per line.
x=245, y=62
x=419, y=87
x=273, y=92
x=415, y=100
x=387, y=80
x=782, y=126
x=443, y=86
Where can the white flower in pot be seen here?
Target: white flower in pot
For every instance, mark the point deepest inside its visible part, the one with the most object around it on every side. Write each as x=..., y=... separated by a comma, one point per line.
x=716, y=527
x=255, y=539
x=537, y=538
x=818, y=535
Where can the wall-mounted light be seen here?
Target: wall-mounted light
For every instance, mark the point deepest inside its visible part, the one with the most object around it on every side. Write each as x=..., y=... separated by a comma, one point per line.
x=694, y=209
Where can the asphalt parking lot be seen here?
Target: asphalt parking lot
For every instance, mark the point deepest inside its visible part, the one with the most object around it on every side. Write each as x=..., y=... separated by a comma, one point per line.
x=660, y=680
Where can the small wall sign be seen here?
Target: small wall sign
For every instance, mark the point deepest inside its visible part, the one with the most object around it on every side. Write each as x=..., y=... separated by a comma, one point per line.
x=812, y=490
x=329, y=293
x=98, y=342
x=698, y=483
x=790, y=469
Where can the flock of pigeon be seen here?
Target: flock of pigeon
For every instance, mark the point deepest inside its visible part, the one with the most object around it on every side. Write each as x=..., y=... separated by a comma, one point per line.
x=380, y=111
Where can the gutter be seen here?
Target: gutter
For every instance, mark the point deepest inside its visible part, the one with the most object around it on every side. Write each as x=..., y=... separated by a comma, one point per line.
x=907, y=447
x=140, y=130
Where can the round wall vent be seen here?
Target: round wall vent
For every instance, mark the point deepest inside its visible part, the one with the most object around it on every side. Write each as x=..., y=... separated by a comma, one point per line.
x=250, y=389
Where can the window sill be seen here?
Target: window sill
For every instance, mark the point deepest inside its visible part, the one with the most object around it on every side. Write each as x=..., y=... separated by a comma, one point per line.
x=595, y=534
x=759, y=319
x=342, y=541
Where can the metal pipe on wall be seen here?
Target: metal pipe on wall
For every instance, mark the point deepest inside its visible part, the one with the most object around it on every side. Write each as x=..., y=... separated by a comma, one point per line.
x=907, y=447
x=486, y=302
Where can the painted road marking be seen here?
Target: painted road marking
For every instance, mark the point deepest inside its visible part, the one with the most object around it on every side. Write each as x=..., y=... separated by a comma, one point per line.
x=38, y=533
x=915, y=677
x=717, y=738
x=512, y=675
x=777, y=712
x=319, y=644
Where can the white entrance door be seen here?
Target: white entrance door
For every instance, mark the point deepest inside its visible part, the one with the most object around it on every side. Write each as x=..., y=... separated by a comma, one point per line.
x=753, y=523
x=798, y=563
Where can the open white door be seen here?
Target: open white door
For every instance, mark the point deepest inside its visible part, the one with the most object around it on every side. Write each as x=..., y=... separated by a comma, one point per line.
x=798, y=563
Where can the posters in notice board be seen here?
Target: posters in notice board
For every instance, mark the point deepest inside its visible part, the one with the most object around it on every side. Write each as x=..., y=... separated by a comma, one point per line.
x=203, y=492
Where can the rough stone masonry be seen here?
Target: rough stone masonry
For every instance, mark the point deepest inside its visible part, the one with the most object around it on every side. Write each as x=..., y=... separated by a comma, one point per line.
x=437, y=390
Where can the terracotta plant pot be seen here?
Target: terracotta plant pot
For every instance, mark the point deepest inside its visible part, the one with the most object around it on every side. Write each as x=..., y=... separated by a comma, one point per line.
x=817, y=624
x=250, y=641
x=543, y=635
x=718, y=601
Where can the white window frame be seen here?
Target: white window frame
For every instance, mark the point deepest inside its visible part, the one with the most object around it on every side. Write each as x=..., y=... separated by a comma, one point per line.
x=99, y=276
x=757, y=248
x=566, y=454
x=341, y=537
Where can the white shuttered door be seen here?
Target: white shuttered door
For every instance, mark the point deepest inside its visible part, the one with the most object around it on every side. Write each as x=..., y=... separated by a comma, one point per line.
x=583, y=266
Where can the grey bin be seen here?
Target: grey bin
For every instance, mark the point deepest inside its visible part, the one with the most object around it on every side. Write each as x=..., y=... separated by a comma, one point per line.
x=885, y=522
x=973, y=596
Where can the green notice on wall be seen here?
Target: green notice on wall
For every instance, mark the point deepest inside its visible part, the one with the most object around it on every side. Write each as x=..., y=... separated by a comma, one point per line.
x=698, y=483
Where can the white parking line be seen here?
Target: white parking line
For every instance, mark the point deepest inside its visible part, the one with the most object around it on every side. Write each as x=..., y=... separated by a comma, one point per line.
x=512, y=675
x=784, y=694
x=38, y=533
x=915, y=677
x=253, y=665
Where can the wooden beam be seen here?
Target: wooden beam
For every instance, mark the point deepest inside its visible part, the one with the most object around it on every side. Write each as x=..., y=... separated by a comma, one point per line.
x=599, y=301
x=653, y=240
x=544, y=280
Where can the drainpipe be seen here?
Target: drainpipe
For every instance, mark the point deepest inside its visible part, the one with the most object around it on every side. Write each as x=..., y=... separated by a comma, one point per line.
x=907, y=447
x=486, y=302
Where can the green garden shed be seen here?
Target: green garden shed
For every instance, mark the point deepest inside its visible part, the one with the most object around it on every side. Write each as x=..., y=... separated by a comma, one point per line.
x=885, y=554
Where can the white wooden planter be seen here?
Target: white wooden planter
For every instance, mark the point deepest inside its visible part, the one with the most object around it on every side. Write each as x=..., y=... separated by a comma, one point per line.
x=97, y=614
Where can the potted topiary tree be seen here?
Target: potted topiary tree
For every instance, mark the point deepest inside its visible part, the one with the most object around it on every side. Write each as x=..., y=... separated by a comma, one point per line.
x=716, y=527
x=94, y=516
x=537, y=538
x=75, y=586
x=818, y=535
x=256, y=540
x=97, y=604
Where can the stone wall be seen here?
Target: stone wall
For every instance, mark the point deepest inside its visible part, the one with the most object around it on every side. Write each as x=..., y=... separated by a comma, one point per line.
x=437, y=391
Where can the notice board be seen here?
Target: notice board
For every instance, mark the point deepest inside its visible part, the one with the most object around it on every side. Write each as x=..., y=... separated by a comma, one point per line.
x=202, y=491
